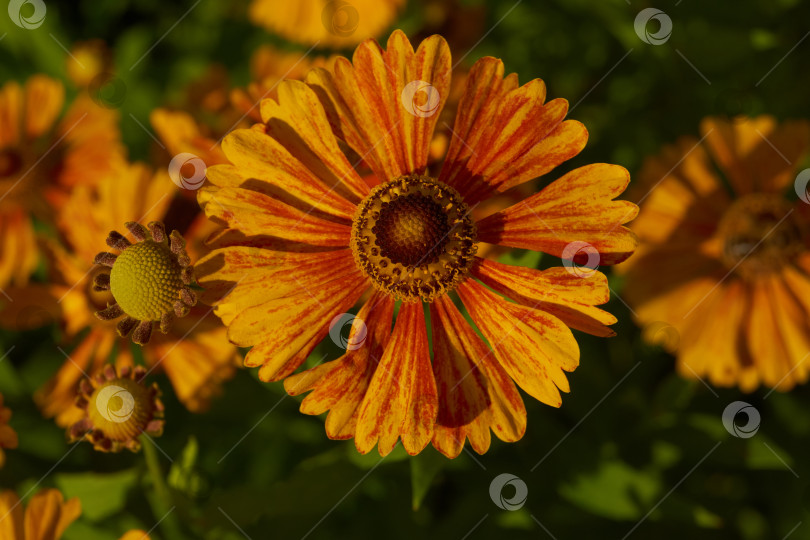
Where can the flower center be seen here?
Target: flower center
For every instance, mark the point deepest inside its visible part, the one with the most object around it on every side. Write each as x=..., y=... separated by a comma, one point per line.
x=414, y=238
x=145, y=280
x=121, y=408
x=760, y=234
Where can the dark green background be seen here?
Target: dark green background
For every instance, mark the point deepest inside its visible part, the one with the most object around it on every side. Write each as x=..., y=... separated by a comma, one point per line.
x=624, y=448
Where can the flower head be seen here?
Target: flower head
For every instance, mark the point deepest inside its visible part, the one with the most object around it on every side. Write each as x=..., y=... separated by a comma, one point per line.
x=149, y=280
x=43, y=153
x=118, y=407
x=331, y=201
x=724, y=260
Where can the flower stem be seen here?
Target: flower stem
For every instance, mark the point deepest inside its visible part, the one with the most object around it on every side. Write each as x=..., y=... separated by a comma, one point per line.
x=163, y=506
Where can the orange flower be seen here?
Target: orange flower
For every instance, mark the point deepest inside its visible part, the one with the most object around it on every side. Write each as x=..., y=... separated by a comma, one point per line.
x=307, y=237
x=326, y=23
x=46, y=517
x=41, y=157
x=195, y=354
x=724, y=258
x=8, y=437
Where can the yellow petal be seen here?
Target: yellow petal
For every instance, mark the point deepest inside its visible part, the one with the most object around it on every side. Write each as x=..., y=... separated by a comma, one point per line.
x=534, y=348
x=401, y=400
x=475, y=393
x=11, y=516
x=48, y=515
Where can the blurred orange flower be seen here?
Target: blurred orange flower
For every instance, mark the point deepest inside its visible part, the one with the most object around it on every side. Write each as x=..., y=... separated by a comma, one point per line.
x=307, y=237
x=724, y=257
x=8, y=437
x=42, y=154
x=195, y=355
x=326, y=23
x=46, y=517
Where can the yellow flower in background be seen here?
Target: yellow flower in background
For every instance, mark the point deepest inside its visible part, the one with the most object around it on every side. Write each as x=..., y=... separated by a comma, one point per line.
x=43, y=154
x=307, y=237
x=326, y=23
x=87, y=61
x=46, y=517
x=8, y=437
x=724, y=258
x=195, y=354
x=268, y=67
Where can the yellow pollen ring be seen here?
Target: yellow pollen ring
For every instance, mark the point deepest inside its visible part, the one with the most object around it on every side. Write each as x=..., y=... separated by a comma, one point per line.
x=414, y=238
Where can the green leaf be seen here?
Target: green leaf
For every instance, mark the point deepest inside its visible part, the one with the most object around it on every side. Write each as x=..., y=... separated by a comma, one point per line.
x=424, y=469
x=102, y=495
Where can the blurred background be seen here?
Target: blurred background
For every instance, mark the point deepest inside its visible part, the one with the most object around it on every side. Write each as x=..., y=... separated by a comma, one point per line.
x=634, y=451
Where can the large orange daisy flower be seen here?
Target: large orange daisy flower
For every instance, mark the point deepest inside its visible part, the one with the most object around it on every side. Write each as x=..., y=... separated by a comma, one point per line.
x=724, y=256
x=307, y=237
x=195, y=354
x=41, y=156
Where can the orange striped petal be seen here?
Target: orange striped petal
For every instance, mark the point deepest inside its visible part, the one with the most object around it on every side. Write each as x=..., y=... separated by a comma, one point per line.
x=534, y=348
x=339, y=386
x=254, y=213
x=569, y=297
x=401, y=400
x=284, y=331
x=48, y=514
x=238, y=277
x=505, y=136
x=380, y=105
x=44, y=98
x=475, y=393
x=757, y=154
x=11, y=507
x=579, y=207
x=265, y=166
x=314, y=145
